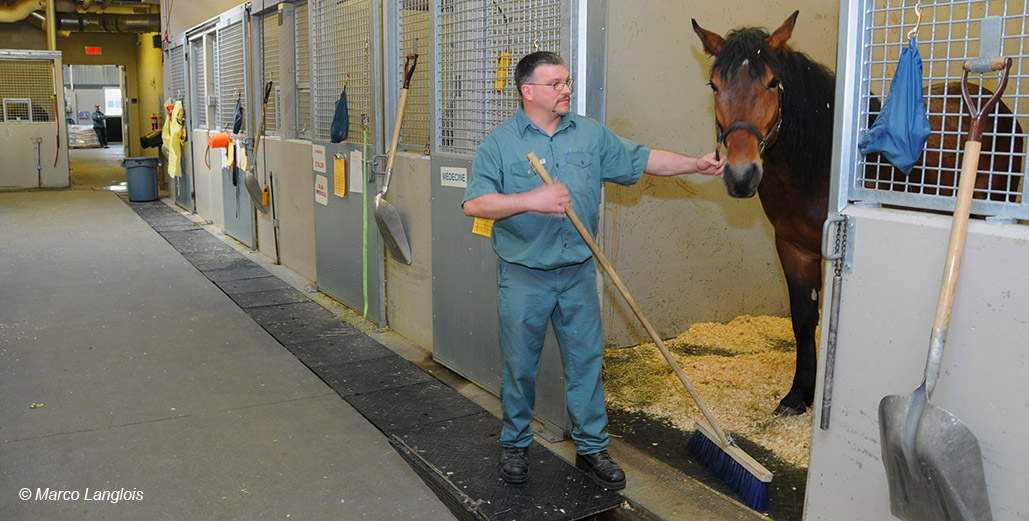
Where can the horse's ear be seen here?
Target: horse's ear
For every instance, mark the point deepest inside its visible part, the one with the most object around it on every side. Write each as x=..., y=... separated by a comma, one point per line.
x=778, y=39
x=712, y=42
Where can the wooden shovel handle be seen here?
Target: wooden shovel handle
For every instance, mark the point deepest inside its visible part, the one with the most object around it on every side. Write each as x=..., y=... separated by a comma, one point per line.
x=958, y=230
x=602, y=259
x=966, y=187
x=260, y=127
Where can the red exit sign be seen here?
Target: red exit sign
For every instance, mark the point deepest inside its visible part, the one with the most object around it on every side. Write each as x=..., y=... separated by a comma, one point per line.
x=93, y=50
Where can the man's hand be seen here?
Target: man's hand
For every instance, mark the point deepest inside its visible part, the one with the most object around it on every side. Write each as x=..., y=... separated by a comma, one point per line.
x=551, y=199
x=709, y=165
x=545, y=199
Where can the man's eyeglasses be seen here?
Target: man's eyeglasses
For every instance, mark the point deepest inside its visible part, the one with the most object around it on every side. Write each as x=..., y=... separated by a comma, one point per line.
x=557, y=85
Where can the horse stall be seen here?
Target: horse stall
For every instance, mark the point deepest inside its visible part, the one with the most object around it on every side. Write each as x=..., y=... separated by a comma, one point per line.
x=889, y=252
x=704, y=262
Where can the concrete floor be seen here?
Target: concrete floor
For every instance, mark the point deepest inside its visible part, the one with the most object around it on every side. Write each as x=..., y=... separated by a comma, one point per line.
x=123, y=368
x=126, y=373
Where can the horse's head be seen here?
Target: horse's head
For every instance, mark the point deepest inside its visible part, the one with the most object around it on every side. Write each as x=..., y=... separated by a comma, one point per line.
x=747, y=82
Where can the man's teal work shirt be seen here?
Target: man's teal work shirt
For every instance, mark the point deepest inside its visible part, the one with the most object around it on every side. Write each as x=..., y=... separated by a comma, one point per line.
x=582, y=154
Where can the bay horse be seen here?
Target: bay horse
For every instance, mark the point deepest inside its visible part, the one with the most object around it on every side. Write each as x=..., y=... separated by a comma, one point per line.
x=774, y=114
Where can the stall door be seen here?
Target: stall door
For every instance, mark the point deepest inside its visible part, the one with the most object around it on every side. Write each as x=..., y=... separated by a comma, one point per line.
x=231, y=67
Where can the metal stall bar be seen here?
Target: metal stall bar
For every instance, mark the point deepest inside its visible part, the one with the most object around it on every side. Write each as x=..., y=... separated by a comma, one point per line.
x=231, y=66
x=349, y=255
x=198, y=86
x=269, y=48
x=948, y=34
x=231, y=71
x=477, y=45
x=176, y=73
x=302, y=46
x=414, y=18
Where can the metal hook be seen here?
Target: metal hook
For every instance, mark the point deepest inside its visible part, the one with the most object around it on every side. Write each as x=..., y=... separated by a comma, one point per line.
x=535, y=46
x=918, y=20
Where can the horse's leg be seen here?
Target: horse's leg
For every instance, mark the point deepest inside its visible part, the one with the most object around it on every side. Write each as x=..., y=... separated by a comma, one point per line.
x=803, y=270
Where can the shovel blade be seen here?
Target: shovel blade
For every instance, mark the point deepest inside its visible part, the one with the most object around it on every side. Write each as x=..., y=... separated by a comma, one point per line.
x=933, y=462
x=254, y=189
x=392, y=230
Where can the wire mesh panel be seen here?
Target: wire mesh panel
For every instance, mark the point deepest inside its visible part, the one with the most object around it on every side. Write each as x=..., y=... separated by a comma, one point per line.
x=230, y=71
x=948, y=34
x=302, y=19
x=270, y=68
x=198, y=77
x=415, y=37
x=341, y=56
x=27, y=90
x=176, y=72
x=478, y=45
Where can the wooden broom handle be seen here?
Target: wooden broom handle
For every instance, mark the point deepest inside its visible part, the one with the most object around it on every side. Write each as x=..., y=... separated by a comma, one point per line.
x=602, y=259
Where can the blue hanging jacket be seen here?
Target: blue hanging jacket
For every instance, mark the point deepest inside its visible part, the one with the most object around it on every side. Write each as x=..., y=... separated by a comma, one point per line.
x=340, y=120
x=902, y=128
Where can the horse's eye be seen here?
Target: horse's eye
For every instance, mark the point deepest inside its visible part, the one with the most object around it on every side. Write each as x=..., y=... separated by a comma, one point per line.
x=713, y=87
x=774, y=84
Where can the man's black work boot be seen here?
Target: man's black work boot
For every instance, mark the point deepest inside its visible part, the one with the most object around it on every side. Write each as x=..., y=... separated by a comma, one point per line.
x=602, y=469
x=514, y=465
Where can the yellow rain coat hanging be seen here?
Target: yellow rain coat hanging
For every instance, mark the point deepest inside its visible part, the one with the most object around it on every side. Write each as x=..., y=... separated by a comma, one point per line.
x=175, y=134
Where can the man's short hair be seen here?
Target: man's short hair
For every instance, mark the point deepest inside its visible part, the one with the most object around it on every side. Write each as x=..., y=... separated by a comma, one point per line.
x=527, y=66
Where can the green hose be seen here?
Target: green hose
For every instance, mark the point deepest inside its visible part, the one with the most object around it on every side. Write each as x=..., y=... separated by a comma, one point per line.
x=364, y=223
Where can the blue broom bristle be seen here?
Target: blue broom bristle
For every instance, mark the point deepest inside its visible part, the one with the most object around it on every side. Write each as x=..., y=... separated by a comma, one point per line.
x=752, y=491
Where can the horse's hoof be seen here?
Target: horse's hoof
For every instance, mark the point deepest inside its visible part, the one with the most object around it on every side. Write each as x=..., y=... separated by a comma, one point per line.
x=786, y=410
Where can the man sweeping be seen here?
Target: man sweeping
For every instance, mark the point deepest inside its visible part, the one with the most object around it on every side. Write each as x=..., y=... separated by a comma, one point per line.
x=546, y=272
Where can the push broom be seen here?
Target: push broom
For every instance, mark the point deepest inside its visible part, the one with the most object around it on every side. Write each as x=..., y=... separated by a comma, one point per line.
x=709, y=444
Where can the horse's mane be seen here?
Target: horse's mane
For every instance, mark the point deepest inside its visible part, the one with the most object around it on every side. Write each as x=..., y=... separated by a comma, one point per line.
x=805, y=141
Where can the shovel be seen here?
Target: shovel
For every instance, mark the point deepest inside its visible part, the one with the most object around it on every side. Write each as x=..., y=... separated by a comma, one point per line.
x=933, y=463
x=251, y=182
x=386, y=216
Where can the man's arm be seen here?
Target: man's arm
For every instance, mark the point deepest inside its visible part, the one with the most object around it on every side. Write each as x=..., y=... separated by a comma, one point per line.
x=664, y=163
x=547, y=199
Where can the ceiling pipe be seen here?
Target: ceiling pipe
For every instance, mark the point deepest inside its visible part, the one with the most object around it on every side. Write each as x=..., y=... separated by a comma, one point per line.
x=108, y=23
x=39, y=21
x=100, y=23
x=19, y=10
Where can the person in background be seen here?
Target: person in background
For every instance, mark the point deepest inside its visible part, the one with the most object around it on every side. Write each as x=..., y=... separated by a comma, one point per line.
x=546, y=272
x=100, y=125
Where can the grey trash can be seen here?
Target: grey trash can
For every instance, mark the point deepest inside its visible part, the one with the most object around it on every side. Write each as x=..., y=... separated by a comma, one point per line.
x=141, y=177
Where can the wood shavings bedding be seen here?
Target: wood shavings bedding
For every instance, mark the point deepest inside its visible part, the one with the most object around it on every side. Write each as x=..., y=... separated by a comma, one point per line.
x=740, y=369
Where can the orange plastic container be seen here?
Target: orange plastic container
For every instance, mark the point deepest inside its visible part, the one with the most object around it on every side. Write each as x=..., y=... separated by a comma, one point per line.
x=219, y=140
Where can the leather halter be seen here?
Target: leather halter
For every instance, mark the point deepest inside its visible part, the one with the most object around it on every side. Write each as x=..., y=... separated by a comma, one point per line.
x=762, y=140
